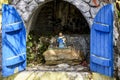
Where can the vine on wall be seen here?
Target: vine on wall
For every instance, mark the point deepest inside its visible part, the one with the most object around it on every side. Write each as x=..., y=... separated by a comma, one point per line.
x=36, y=46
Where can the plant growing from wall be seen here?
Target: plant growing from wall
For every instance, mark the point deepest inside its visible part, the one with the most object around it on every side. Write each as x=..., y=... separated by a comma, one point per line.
x=36, y=46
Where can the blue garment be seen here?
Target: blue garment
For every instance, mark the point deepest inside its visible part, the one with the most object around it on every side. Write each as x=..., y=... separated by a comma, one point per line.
x=61, y=42
x=13, y=41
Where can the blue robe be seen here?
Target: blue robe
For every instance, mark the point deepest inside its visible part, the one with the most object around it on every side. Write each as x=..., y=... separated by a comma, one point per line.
x=61, y=42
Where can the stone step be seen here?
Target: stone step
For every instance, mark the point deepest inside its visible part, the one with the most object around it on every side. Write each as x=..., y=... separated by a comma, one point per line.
x=49, y=75
x=59, y=67
x=37, y=75
x=58, y=72
x=24, y=75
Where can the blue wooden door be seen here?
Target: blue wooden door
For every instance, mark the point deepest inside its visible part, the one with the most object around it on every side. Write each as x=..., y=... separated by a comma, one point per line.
x=101, y=54
x=13, y=41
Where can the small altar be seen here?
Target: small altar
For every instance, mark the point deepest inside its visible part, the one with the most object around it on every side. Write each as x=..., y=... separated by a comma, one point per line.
x=55, y=56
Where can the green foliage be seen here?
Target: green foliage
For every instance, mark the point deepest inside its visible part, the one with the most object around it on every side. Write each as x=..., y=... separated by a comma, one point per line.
x=36, y=46
x=118, y=14
x=10, y=1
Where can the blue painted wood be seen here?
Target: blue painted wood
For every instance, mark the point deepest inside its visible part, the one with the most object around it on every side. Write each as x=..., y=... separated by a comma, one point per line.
x=101, y=53
x=13, y=41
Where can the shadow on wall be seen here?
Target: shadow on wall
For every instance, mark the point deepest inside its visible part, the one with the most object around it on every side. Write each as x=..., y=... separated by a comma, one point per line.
x=64, y=17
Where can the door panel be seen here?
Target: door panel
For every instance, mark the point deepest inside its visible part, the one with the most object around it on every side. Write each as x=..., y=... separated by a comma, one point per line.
x=101, y=53
x=13, y=41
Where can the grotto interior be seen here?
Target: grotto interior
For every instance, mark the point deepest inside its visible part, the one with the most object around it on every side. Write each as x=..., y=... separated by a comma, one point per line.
x=46, y=23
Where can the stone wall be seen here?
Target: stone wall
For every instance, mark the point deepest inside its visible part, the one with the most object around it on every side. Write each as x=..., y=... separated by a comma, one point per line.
x=27, y=8
x=117, y=41
x=79, y=42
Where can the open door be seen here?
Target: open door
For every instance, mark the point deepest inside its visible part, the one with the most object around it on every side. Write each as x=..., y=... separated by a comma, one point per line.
x=13, y=41
x=101, y=52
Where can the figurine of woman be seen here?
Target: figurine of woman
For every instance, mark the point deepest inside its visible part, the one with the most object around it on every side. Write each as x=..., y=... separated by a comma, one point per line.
x=61, y=41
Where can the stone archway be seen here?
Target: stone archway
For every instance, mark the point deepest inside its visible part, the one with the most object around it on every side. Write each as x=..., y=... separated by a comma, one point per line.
x=65, y=14
x=27, y=8
x=76, y=24
x=87, y=9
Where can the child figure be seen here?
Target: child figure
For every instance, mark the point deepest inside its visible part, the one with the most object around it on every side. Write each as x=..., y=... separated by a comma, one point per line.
x=61, y=41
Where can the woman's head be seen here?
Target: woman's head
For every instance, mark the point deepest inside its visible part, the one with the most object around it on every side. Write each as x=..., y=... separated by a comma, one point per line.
x=60, y=34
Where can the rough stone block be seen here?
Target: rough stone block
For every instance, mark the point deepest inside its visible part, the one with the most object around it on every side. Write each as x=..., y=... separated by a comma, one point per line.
x=31, y=6
x=26, y=16
x=87, y=0
x=84, y=7
x=118, y=63
x=27, y=1
x=39, y=1
x=87, y=14
x=94, y=11
x=15, y=1
x=59, y=56
x=21, y=5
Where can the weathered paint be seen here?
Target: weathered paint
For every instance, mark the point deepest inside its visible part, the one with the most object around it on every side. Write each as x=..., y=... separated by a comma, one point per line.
x=1, y=2
x=101, y=54
x=13, y=41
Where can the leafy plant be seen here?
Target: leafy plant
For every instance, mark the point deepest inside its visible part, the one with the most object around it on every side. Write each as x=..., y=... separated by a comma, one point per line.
x=36, y=46
x=118, y=14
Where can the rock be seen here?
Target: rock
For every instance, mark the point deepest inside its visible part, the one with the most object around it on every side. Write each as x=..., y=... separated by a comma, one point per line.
x=69, y=0
x=32, y=5
x=21, y=5
x=60, y=67
x=84, y=7
x=90, y=21
x=26, y=16
x=58, y=54
x=39, y=1
x=116, y=35
x=15, y=1
x=94, y=11
x=63, y=65
x=19, y=11
x=118, y=63
x=77, y=2
x=87, y=0
x=87, y=14
x=55, y=56
x=70, y=69
x=27, y=1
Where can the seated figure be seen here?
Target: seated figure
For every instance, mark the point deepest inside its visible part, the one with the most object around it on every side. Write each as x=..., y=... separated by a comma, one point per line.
x=61, y=41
